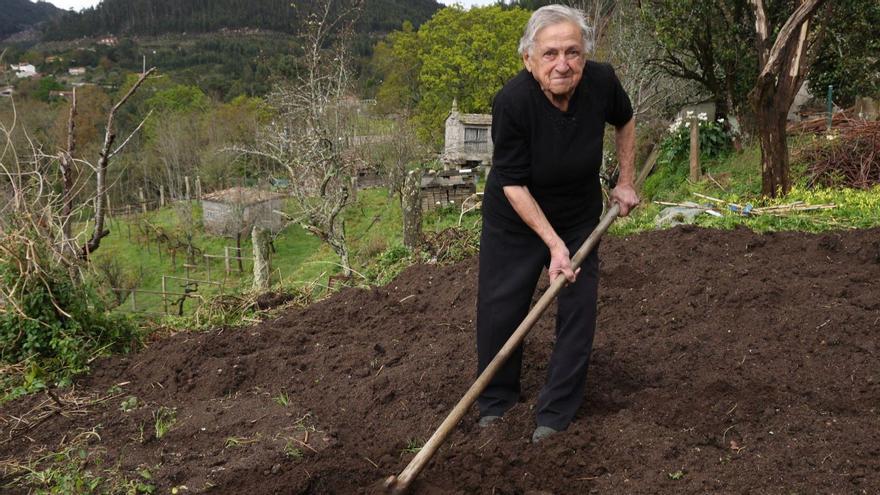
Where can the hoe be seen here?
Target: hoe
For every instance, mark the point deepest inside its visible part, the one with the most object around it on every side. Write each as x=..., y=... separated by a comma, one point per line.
x=398, y=485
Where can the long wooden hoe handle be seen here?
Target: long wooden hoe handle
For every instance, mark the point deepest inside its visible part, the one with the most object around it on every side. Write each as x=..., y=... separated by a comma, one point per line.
x=398, y=485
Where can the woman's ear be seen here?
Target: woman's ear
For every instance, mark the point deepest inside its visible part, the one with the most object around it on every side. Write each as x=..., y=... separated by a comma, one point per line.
x=526, y=62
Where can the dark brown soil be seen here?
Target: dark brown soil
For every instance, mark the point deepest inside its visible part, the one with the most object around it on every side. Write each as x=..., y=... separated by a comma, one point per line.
x=725, y=362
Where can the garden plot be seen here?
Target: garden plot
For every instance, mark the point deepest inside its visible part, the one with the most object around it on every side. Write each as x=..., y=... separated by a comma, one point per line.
x=725, y=362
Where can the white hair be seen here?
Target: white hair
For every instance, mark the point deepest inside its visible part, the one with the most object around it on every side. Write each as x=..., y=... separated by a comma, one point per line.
x=550, y=15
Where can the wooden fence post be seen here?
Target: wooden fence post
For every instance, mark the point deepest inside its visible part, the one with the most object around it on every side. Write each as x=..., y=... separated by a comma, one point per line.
x=164, y=295
x=198, y=188
x=186, y=185
x=134, y=300
x=162, y=196
x=695, y=150
x=226, y=258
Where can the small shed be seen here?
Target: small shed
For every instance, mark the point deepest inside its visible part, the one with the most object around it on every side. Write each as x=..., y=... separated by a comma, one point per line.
x=468, y=139
x=239, y=209
x=447, y=187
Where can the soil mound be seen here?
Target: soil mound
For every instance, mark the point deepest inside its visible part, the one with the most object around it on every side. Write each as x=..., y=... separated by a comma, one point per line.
x=724, y=362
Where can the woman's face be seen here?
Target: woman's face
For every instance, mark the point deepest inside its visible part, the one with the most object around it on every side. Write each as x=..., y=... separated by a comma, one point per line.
x=556, y=60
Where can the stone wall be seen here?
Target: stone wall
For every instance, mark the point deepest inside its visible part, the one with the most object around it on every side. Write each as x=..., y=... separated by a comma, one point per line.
x=447, y=188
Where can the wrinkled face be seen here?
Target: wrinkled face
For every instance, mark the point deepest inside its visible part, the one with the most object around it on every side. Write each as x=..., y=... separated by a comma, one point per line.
x=557, y=59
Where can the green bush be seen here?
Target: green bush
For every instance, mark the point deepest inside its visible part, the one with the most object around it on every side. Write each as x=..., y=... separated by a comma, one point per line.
x=714, y=140
x=672, y=164
x=57, y=321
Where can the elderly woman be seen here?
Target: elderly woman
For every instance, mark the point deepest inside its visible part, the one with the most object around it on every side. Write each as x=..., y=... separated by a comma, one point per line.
x=542, y=200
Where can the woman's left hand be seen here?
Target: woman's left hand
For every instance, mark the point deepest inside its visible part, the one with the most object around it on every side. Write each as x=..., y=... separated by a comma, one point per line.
x=625, y=195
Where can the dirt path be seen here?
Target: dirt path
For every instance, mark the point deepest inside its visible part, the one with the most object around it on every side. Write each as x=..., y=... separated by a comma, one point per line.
x=725, y=362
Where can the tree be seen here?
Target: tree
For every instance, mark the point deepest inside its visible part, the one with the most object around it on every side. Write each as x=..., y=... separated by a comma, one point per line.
x=703, y=41
x=400, y=158
x=397, y=59
x=628, y=42
x=104, y=157
x=311, y=134
x=460, y=54
x=847, y=57
x=783, y=65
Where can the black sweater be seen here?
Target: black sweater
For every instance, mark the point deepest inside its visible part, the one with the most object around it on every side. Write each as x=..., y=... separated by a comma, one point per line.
x=556, y=154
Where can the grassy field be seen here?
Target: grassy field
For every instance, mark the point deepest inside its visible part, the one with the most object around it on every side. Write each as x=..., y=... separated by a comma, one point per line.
x=373, y=226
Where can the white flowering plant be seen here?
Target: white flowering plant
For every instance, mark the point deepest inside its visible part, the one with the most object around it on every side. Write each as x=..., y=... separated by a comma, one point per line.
x=714, y=139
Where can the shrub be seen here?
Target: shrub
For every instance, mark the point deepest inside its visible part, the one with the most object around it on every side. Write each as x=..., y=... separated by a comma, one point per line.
x=714, y=140
x=53, y=317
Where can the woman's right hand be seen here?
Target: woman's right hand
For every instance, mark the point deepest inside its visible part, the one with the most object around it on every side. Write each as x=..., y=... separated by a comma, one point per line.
x=560, y=264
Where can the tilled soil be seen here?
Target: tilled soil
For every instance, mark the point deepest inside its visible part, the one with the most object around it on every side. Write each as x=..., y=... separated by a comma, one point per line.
x=724, y=362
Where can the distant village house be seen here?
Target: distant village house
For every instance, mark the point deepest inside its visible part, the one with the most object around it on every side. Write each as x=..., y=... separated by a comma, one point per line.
x=76, y=71
x=108, y=41
x=238, y=209
x=468, y=139
x=24, y=71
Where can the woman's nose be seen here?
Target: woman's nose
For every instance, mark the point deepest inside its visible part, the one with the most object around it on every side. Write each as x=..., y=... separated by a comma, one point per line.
x=562, y=65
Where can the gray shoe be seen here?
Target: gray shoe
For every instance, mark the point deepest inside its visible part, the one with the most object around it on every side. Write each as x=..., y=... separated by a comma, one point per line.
x=542, y=432
x=485, y=421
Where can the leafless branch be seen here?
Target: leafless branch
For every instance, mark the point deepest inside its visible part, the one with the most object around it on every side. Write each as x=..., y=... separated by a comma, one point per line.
x=103, y=161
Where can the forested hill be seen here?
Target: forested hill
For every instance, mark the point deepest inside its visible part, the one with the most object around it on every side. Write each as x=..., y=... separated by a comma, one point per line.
x=18, y=15
x=154, y=17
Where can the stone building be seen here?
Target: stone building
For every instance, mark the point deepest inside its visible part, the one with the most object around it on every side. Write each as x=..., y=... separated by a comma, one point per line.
x=468, y=140
x=239, y=209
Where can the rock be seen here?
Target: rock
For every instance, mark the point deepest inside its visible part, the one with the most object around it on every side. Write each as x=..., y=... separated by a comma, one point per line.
x=677, y=215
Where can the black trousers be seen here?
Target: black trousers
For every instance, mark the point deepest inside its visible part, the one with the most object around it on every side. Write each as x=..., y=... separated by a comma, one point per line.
x=510, y=265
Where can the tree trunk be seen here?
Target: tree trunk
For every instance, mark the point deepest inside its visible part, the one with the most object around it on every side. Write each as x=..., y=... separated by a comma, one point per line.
x=341, y=249
x=775, y=180
x=783, y=66
x=261, y=259
x=411, y=205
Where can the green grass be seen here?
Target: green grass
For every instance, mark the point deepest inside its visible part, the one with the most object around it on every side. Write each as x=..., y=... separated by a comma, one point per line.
x=736, y=178
x=372, y=227
x=79, y=468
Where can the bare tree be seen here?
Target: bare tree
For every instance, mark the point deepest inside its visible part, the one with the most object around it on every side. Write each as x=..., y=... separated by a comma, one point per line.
x=36, y=243
x=630, y=46
x=100, y=169
x=599, y=14
x=397, y=157
x=311, y=135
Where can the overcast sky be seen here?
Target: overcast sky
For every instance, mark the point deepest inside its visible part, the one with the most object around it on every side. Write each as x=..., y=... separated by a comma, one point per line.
x=81, y=4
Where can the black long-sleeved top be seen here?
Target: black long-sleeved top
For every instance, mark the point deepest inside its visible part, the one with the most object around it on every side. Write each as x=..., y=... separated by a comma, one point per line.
x=556, y=154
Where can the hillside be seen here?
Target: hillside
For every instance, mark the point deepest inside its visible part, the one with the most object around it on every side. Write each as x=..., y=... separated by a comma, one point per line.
x=18, y=15
x=155, y=17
